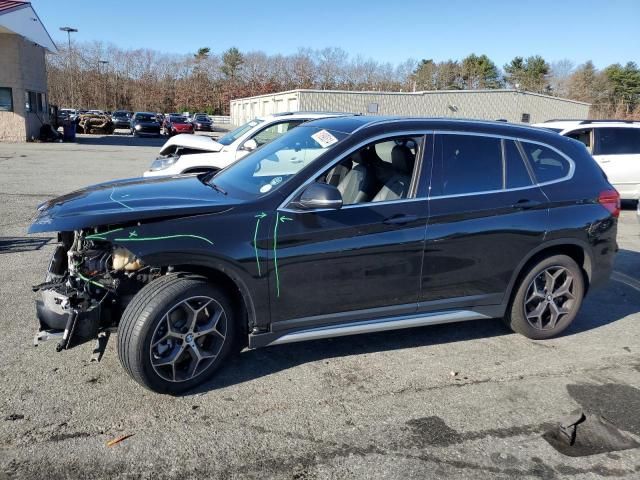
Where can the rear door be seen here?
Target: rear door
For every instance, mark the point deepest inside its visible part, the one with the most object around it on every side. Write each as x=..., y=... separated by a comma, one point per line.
x=486, y=215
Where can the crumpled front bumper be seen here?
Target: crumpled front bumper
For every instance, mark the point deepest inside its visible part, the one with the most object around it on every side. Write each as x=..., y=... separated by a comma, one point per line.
x=74, y=326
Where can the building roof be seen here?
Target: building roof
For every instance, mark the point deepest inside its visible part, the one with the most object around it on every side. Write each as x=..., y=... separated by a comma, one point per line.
x=18, y=17
x=9, y=4
x=418, y=93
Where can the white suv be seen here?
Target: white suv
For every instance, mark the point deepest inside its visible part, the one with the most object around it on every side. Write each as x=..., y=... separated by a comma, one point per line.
x=615, y=145
x=196, y=153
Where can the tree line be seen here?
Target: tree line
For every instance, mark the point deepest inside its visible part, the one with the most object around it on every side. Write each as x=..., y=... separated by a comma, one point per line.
x=96, y=75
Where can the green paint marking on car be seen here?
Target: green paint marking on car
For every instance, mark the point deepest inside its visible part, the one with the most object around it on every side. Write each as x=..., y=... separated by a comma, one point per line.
x=279, y=220
x=133, y=233
x=166, y=237
x=259, y=217
x=102, y=235
x=118, y=201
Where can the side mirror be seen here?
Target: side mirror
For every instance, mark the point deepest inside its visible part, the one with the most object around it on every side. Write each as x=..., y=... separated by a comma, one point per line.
x=320, y=196
x=250, y=145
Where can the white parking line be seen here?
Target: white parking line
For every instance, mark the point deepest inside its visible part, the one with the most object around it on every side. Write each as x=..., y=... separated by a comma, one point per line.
x=626, y=279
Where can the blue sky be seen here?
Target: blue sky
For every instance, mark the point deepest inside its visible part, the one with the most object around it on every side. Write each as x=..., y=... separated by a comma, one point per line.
x=605, y=31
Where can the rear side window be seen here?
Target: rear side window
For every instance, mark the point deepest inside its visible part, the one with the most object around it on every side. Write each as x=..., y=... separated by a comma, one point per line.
x=516, y=173
x=548, y=165
x=470, y=164
x=617, y=141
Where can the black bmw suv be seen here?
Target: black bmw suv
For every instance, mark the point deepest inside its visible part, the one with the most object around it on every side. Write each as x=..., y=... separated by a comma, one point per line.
x=341, y=226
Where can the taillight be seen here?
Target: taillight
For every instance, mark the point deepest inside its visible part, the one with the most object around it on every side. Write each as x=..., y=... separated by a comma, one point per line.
x=610, y=199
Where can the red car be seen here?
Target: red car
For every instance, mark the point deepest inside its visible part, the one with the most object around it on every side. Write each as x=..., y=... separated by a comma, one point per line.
x=174, y=124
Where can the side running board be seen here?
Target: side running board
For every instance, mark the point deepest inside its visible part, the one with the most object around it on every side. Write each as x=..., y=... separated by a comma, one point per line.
x=379, y=325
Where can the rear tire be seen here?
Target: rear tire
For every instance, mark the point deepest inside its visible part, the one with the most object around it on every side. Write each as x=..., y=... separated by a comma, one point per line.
x=175, y=333
x=547, y=298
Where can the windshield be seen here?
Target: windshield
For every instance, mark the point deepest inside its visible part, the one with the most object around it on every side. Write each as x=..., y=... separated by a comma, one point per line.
x=202, y=118
x=121, y=114
x=232, y=136
x=178, y=120
x=144, y=117
x=272, y=165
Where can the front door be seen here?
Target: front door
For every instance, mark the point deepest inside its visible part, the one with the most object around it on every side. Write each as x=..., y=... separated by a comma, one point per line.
x=361, y=261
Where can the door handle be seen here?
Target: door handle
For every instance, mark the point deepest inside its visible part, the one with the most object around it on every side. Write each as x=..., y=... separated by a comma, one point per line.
x=526, y=204
x=400, y=219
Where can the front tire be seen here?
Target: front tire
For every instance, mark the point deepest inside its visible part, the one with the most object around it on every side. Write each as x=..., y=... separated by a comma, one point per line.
x=548, y=298
x=175, y=333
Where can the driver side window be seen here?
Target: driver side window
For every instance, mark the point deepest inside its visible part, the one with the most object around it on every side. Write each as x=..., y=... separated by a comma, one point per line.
x=381, y=171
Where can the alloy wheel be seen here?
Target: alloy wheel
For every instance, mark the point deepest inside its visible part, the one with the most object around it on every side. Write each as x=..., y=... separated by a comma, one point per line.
x=550, y=297
x=188, y=339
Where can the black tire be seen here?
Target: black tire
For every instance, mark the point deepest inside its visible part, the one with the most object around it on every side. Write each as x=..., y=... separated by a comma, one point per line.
x=519, y=309
x=142, y=319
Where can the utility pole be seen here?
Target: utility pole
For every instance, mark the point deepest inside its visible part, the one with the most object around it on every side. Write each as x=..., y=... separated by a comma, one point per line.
x=69, y=31
x=106, y=100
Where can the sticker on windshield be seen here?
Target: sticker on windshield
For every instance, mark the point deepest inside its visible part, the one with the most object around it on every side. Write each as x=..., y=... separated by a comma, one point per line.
x=266, y=188
x=324, y=138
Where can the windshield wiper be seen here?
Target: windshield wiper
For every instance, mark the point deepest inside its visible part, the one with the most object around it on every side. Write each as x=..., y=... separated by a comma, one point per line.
x=217, y=188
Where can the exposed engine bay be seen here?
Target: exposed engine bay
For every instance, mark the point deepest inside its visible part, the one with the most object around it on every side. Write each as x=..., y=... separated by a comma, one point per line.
x=88, y=285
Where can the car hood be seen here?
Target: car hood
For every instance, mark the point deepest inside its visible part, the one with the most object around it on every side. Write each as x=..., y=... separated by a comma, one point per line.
x=206, y=144
x=130, y=200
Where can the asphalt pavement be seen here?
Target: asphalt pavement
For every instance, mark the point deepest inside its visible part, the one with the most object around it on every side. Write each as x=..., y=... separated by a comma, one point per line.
x=469, y=400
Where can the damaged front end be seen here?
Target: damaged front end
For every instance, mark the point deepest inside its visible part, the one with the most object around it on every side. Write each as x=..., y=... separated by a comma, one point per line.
x=88, y=285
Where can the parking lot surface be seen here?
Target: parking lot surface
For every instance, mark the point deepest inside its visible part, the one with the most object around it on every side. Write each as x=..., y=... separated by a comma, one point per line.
x=468, y=400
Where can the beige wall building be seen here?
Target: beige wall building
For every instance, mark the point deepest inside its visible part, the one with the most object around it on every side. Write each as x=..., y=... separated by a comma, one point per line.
x=24, y=43
x=511, y=105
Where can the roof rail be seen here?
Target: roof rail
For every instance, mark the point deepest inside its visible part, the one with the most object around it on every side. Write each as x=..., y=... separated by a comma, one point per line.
x=608, y=121
x=565, y=120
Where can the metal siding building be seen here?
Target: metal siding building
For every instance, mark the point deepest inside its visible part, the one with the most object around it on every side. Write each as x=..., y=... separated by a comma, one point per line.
x=512, y=105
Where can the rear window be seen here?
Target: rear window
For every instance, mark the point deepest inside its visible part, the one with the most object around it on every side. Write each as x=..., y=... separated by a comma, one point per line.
x=548, y=165
x=470, y=164
x=617, y=141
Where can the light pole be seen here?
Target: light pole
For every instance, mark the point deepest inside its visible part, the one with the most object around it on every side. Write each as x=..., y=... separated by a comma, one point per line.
x=69, y=31
x=104, y=62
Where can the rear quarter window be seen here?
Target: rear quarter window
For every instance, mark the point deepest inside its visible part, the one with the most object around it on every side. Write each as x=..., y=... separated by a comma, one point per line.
x=617, y=141
x=547, y=164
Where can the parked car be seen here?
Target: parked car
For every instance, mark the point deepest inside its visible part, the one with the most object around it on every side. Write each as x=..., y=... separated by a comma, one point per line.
x=198, y=154
x=202, y=123
x=121, y=119
x=144, y=123
x=175, y=124
x=615, y=144
x=65, y=114
x=342, y=226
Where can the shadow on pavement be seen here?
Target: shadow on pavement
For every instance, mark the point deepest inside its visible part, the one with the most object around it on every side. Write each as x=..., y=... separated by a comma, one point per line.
x=22, y=244
x=121, y=139
x=603, y=306
x=252, y=364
